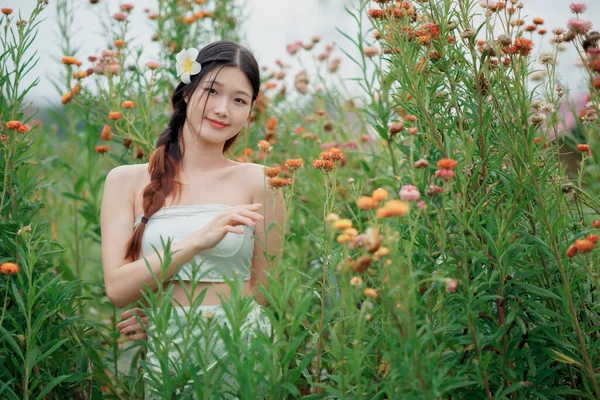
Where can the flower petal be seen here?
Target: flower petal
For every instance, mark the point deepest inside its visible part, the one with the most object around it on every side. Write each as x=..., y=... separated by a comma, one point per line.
x=192, y=53
x=196, y=67
x=181, y=56
x=179, y=68
x=185, y=78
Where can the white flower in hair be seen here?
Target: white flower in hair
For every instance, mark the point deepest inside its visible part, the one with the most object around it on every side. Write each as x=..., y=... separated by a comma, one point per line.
x=187, y=64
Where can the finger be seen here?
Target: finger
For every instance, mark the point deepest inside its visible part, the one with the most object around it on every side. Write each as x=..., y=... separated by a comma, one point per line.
x=138, y=336
x=233, y=229
x=131, y=321
x=254, y=206
x=252, y=214
x=236, y=219
x=132, y=312
x=131, y=329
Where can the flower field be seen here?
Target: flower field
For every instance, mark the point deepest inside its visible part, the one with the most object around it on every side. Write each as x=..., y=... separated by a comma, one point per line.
x=443, y=205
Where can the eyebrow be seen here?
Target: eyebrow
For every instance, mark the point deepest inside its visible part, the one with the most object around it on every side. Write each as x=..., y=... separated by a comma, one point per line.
x=220, y=84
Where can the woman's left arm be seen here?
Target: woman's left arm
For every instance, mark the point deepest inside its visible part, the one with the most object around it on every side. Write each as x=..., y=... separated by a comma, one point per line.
x=266, y=244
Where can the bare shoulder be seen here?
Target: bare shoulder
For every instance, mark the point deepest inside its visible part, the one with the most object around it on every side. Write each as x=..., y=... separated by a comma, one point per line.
x=254, y=173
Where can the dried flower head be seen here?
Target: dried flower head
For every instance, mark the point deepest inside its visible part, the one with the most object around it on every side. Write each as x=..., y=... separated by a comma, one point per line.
x=584, y=245
x=13, y=125
x=409, y=193
x=106, y=133
x=69, y=60
x=380, y=194
x=114, y=115
x=366, y=203
x=265, y=146
x=128, y=104
x=101, y=149
x=578, y=8
x=370, y=292
x=356, y=281
x=323, y=165
x=9, y=268
x=446, y=163
x=294, y=163
x=342, y=224
x=393, y=208
x=272, y=172
x=451, y=285
x=279, y=182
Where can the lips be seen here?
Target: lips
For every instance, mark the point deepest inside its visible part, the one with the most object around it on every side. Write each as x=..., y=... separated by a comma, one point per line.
x=217, y=124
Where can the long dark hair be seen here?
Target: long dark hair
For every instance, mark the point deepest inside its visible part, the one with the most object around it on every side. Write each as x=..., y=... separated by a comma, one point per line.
x=164, y=162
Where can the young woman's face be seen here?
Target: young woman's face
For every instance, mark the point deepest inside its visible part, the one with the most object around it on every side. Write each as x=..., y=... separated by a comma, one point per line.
x=228, y=105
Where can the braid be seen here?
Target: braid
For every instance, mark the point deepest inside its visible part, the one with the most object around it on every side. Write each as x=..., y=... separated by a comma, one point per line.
x=163, y=168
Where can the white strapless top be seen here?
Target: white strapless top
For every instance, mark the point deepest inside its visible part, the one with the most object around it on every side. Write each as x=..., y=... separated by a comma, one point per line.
x=231, y=255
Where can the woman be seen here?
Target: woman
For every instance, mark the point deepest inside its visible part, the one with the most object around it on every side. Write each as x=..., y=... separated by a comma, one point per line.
x=219, y=202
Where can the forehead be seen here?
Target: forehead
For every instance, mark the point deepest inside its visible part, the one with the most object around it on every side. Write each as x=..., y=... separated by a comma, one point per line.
x=228, y=77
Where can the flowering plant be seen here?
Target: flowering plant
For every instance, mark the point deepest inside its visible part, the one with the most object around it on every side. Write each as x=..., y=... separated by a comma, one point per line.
x=186, y=64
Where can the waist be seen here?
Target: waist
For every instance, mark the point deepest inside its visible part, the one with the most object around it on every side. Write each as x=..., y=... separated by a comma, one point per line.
x=213, y=291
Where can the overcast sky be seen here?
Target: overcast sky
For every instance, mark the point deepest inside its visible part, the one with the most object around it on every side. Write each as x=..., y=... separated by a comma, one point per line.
x=270, y=26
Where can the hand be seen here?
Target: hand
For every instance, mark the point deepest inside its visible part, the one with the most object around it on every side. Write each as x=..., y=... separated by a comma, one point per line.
x=131, y=327
x=228, y=221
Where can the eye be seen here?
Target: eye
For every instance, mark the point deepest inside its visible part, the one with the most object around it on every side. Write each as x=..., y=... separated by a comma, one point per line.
x=211, y=90
x=242, y=101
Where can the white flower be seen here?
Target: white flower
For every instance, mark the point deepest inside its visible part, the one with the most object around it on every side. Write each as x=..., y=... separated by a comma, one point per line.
x=187, y=64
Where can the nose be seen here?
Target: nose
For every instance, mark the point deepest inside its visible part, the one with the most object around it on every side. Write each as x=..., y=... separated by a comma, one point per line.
x=221, y=108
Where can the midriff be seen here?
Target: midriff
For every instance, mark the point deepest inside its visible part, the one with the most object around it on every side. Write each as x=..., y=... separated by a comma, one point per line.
x=214, y=289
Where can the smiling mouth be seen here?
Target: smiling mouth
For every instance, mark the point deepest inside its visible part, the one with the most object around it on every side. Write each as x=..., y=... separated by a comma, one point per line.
x=217, y=123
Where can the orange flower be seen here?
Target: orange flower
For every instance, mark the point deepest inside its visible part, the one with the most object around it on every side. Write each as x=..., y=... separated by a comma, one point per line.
x=271, y=123
x=362, y=264
x=265, y=146
x=323, y=165
x=370, y=292
x=106, y=135
x=114, y=115
x=342, y=224
x=127, y=104
x=272, y=172
x=279, y=182
x=101, y=149
x=76, y=89
x=584, y=148
x=375, y=13
x=584, y=245
x=524, y=45
x=66, y=97
x=393, y=208
x=411, y=118
x=23, y=129
x=69, y=60
x=13, y=125
x=9, y=268
x=294, y=163
x=7, y=11
x=380, y=194
x=80, y=74
x=592, y=238
x=538, y=21
x=270, y=85
x=446, y=163
x=596, y=223
x=571, y=251
x=367, y=203
x=119, y=43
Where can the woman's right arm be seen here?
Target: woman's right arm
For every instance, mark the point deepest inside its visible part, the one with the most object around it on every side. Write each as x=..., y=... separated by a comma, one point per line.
x=124, y=278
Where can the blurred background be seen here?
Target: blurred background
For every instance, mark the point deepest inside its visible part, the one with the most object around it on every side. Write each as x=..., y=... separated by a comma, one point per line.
x=270, y=25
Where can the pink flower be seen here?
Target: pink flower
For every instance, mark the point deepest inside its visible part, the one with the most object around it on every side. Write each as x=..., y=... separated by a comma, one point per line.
x=127, y=7
x=153, y=65
x=422, y=205
x=579, y=26
x=447, y=174
x=293, y=48
x=409, y=193
x=451, y=285
x=120, y=17
x=578, y=8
